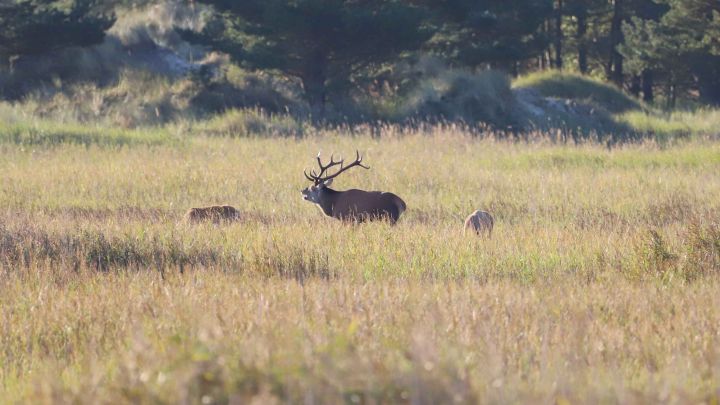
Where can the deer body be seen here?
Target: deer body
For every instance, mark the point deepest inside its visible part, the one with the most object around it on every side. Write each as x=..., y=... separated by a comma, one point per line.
x=480, y=222
x=360, y=205
x=215, y=213
x=351, y=205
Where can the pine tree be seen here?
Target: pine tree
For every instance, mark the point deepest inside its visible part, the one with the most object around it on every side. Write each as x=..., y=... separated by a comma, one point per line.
x=681, y=48
x=495, y=33
x=592, y=35
x=581, y=12
x=326, y=44
x=32, y=27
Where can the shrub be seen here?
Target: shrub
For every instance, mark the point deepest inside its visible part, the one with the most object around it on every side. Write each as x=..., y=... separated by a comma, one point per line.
x=579, y=88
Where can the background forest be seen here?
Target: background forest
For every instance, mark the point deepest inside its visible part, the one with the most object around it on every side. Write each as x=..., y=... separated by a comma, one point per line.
x=618, y=69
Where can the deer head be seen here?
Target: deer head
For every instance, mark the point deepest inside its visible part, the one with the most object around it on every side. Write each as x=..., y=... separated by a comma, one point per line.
x=322, y=180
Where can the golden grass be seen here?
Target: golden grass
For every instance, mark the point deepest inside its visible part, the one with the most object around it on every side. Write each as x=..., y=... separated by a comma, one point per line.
x=676, y=124
x=599, y=284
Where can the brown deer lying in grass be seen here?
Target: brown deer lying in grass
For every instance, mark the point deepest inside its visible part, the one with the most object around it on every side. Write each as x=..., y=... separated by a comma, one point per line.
x=215, y=214
x=480, y=222
x=350, y=205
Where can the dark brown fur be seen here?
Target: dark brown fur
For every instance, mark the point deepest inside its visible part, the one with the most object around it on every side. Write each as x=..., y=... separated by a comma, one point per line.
x=360, y=206
x=350, y=205
x=215, y=214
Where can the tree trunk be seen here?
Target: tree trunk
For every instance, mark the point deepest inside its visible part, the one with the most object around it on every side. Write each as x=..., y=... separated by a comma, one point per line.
x=670, y=94
x=582, y=44
x=647, y=86
x=314, y=84
x=709, y=87
x=547, y=54
x=315, y=95
x=614, y=68
x=635, y=85
x=618, y=70
x=559, y=35
x=673, y=96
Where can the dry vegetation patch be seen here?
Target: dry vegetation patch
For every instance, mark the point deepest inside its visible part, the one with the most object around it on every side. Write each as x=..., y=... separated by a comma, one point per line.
x=132, y=337
x=599, y=284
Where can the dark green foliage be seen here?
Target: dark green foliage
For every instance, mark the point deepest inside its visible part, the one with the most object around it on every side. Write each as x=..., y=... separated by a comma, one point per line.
x=326, y=44
x=682, y=48
x=347, y=60
x=32, y=27
x=592, y=31
x=493, y=33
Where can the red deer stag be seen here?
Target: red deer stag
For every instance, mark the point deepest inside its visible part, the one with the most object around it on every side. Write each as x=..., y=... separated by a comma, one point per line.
x=350, y=205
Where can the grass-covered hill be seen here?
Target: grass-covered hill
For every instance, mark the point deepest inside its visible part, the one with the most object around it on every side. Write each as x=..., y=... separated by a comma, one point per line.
x=559, y=105
x=145, y=75
x=569, y=86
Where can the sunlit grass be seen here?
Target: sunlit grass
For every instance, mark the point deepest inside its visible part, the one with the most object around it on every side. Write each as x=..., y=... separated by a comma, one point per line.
x=599, y=284
x=45, y=133
x=677, y=124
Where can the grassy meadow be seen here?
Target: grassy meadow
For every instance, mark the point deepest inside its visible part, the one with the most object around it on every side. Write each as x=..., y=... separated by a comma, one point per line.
x=600, y=283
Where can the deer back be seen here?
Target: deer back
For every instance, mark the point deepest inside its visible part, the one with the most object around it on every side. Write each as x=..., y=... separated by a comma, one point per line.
x=361, y=204
x=215, y=213
x=479, y=222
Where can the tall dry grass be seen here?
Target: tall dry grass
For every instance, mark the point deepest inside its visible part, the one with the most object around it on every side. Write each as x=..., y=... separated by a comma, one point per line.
x=599, y=284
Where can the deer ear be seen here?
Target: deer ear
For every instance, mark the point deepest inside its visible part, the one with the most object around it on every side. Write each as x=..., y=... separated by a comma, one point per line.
x=327, y=183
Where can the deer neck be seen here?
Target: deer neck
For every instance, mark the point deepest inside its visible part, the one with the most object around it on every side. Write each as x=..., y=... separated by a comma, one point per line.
x=328, y=200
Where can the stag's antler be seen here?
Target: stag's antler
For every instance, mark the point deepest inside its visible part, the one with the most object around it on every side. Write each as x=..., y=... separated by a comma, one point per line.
x=318, y=178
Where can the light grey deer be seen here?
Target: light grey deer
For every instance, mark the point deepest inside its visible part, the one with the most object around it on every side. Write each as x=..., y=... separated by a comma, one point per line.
x=480, y=222
x=350, y=205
